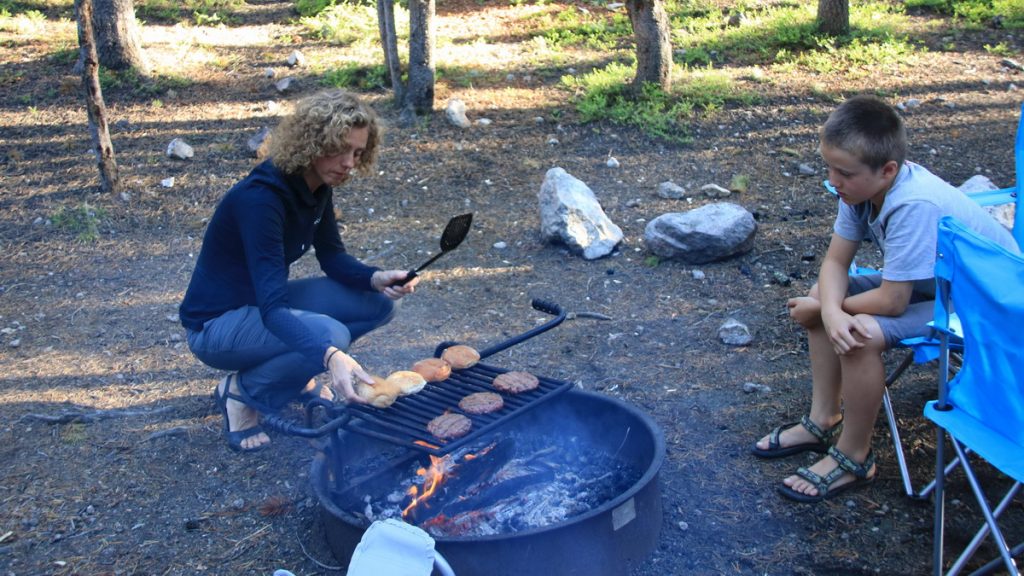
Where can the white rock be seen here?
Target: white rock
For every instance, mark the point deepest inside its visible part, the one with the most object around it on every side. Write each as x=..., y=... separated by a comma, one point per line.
x=484, y=121
x=612, y=162
x=698, y=274
x=285, y=84
x=167, y=182
x=500, y=245
x=178, y=148
x=538, y=119
x=715, y=191
x=671, y=191
x=268, y=72
x=553, y=141
x=455, y=112
x=296, y=59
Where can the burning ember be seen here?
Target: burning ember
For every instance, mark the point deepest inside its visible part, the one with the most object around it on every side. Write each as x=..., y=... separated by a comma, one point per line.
x=517, y=482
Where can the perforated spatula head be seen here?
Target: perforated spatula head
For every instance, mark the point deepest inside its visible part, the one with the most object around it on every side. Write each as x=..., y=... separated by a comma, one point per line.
x=454, y=233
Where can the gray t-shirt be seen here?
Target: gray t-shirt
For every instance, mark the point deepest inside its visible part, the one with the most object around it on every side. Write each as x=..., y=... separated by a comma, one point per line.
x=906, y=227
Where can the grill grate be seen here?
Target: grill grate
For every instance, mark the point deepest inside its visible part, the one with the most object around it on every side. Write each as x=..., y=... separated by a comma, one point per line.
x=405, y=421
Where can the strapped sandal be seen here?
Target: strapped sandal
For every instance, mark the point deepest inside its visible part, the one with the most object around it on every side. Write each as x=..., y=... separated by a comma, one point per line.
x=824, y=483
x=235, y=438
x=825, y=440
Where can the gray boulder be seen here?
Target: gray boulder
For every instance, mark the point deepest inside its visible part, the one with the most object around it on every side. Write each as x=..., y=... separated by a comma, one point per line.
x=707, y=234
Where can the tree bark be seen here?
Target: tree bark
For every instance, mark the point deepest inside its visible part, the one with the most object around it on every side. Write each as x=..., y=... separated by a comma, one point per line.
x=653, y=47
x=389, y=40
x=116, y=36
x=834, y=17
x=419, y=95
x=94, y=99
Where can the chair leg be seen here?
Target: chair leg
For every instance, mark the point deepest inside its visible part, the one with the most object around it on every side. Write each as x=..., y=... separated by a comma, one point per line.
x=990, y=519
x=894, y=430
x=940, y=501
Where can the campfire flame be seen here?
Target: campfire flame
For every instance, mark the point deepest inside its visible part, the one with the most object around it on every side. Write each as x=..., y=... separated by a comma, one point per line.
x=433, y=477
x=440, y=469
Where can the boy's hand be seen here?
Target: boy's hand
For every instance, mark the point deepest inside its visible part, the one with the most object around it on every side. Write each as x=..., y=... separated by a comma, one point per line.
x=846, y=332
x=805, y=311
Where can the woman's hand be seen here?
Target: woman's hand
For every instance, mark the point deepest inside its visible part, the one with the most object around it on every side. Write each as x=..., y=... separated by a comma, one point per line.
x=384, y=281
x=343, y=370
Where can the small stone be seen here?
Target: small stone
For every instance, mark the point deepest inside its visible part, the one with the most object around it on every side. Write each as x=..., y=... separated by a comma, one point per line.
x=15, y=343
x=238, y=503
x=553, y=141
x=268, y=72
x=612, y=162
x=751, y=387
x=781, y=279
x=913, y=103
x=715, y=191
x=1012, y=64
x=806, y=169
x=167, y=182
x=484, y=121
x=698, y=274
x=671, y=191
x=500, y=245
x=538, y=119
x=285, y=84
x=296, y=59
x=683, y=525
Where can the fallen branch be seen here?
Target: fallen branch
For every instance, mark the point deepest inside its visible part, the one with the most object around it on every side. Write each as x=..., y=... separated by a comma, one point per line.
x=315, y=561
x=176, y=431
x=68, y=417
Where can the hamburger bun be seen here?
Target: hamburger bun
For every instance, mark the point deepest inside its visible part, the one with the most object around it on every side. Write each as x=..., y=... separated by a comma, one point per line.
x=433, y=369
x=381, y=395
x=407, y=381
x=460, y=356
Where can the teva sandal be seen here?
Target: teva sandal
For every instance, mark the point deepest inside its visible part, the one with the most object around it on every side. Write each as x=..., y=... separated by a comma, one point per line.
x=821, y=446
x=824, y=483
x=235, y=438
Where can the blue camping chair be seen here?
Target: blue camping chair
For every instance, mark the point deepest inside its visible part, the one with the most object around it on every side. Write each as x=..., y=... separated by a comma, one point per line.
x=982, y=408
x=923, y=350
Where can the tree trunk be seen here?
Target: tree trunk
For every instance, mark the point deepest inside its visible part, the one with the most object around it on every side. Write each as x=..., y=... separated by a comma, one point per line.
x=94, y=99
x=653, y=47
x=419, y=95
x=116, y=36
x=834, y=17
x=389, y=40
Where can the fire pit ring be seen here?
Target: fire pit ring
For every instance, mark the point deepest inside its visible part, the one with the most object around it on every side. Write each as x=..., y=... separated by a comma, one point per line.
x=609, y=539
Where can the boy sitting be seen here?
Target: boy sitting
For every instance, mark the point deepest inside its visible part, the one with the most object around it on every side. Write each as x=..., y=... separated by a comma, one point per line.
x=851, y=320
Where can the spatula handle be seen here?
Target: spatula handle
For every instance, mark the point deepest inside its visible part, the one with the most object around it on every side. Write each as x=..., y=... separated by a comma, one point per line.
x=409, y=276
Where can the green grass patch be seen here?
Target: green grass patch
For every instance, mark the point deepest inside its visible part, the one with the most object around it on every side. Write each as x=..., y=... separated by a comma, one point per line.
x=357, y=76
x=201, y=12
x=977, y=13
x=606, y=94
x=574, y=27
x=83, y=221
x=351, y=23
x=788, y=34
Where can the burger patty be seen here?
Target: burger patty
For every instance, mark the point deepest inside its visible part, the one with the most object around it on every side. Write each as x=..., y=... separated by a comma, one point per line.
x=449, y=425
x=481, y=403
x=516, y=382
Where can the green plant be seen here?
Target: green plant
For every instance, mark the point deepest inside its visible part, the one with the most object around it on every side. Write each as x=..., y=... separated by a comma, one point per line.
x=1000, y=49
x=83, y=221
x=312, y=7
x=356, y=75
x=348, y=24
x=607, y=94
x=201, y=11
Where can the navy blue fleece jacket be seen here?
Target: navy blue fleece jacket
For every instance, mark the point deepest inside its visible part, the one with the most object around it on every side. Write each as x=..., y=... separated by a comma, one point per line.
x=263, y=224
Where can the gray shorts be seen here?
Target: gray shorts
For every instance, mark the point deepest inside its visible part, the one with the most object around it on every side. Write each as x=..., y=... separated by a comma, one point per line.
x=914, y=320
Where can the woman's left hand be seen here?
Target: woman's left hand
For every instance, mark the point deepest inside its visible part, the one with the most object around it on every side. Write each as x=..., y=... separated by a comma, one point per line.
x=384, y=281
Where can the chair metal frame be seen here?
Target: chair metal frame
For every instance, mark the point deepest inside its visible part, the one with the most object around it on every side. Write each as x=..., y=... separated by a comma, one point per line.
x=984, y=442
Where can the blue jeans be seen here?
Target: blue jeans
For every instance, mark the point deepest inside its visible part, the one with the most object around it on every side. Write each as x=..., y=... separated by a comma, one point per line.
x=270, y=372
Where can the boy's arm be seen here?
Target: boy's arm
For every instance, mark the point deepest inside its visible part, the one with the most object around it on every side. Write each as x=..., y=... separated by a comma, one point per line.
x=889, y=299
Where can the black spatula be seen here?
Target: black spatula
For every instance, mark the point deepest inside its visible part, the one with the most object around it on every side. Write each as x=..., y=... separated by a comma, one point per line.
x=454, y=233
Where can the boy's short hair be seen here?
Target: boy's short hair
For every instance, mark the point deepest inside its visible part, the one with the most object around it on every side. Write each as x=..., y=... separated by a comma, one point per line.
x=318, y=127
x=869, y=129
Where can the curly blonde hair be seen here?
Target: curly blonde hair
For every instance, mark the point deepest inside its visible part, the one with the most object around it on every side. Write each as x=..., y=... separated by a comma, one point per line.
x=318, y=127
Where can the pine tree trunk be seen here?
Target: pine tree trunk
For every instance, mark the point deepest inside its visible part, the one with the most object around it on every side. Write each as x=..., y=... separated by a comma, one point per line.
x=94, y=99
x=116, y=36
x=420, y=91
x=653, y=47
x=834, y=17
x=389, y=40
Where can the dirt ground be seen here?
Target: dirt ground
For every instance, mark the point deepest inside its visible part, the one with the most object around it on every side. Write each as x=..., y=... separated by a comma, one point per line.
x=113, y=460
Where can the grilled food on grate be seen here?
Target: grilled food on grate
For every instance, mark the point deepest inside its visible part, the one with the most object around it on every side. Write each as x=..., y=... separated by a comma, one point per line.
x=449, y=425
x=481, y=403
x=515, y=382
x=433, y=369
x=407, y=381
x=460, y=356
